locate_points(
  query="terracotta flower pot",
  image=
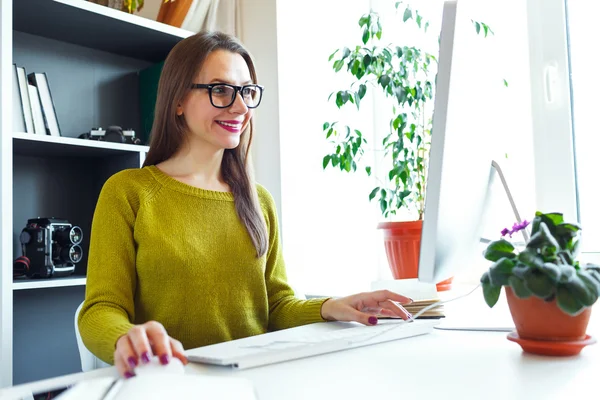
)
(536, 319)
(402, 246)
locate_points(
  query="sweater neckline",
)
(172, 183)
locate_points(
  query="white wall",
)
(259, 35)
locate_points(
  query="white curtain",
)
(214, 15)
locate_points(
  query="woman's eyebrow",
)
(229, 82)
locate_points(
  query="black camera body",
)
(113, 133)
(52, 247)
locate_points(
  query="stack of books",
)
(33, 107)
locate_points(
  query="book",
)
(423, 295)
(24, 99)
(40, 81)
(39, 126)
(18, 118)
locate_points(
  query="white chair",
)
(88, 360)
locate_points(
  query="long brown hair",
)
(169, 130)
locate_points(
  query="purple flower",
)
(515, 228)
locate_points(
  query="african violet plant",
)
(546, 268)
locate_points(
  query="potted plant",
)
(124, 5)
(405, 75)
(549, 293)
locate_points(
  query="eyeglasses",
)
(223, 95)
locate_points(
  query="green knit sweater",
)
(166, 251)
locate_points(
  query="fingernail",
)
(373, 320)
(129, 374)
(164, 359)
(409, 316)
(145, 357)
(132, 362)
(411, 300)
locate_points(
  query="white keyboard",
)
(305, 341)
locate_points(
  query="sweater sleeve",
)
(285, 310)
(108, 308)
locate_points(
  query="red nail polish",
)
(373, 320)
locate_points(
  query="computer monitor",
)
(461, 169)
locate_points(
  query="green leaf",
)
(326, 160)
(518, 286)
(567, 302)
(551, 270)
(539, 284)
(580, 291)
(365, 36)
(325, 125)
(491, 293)
(407, 15)
(368, 170)
(530, 258)
(383, 205)
(363, 20)
(362, 89)
(477, 27)
(329, 132)
(333, 54)
(373, 193)
(590, 281)
(367, 59)
(500, 271)
(384, 80)
(498, 249)
(566, 273)
(505, 82)
(346, 53)
(543, 238)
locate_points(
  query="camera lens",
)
(71, 254)
(66, 236)
(76, 235)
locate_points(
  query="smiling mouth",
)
(236, 126)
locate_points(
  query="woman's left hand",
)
(364, 307)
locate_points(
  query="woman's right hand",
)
(141, 343)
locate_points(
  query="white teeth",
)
(228, 124)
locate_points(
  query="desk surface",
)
(443, 364)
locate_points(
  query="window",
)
(585, 88)
(330, 239)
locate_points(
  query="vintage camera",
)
(52, 247)
(113, 133)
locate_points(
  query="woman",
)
(185, 251)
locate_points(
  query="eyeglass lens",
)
(224, 96)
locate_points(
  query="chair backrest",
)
(88, 360)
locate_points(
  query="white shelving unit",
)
(73, 280)
(91, 55)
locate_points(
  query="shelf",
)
(91, 25)
(29, 144)
(25, 283)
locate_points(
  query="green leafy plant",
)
(132, 5)
(546, 268)
(406, 76)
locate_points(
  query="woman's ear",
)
(179, 110)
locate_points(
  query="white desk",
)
(441, 365)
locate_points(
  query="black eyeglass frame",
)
(236, 90)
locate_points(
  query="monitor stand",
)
(467, 312)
